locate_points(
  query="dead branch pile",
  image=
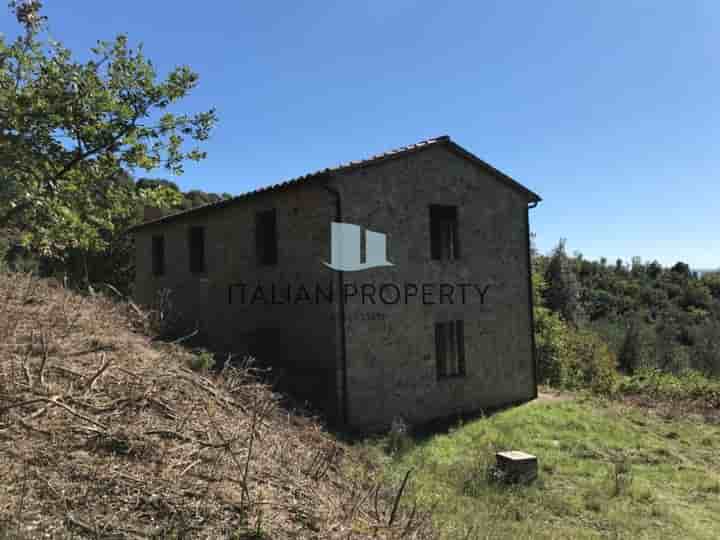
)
(105, 435)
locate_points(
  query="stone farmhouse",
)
(395, 286)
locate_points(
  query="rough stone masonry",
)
(445, 329)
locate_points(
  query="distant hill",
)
(191, 199)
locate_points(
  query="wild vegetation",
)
(71, 134)
(637, 328)
(608, 469)
(105, 432)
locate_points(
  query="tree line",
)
(634, 315)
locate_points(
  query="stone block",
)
(516, 466)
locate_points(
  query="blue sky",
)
(609, 110)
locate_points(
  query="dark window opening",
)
(444, 244)
(266, 237)
(196, 239)
(158, 255)
(450, 349)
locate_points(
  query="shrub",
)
(572, 358)
(630, 357)
(562, 293)
(601, 304)
(399, 440)
(696, 295)
(590, 363)
(653, 297)
(712, 282)
(550, 345)
(706, 357)
(688, 385)
(202, 361)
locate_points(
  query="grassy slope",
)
(674, 465)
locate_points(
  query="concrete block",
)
(517, 466)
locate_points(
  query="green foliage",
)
(551, 335)
(654, 269)
(399, 439)
(71, 129)
(569, 357)
(707, 349)
(13, 257)
(661, 385)
(630, 357)
(196, 198)
(202, 361)
(681, 269)
(183, 201)
(712, 282)
(696, 295)
(589, 363)
(601, 304)
(622, 476)
(154, 183)
(605, 470)
(562, 293)
(648, 315)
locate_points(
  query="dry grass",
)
(105, 435)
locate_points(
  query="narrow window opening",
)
(444, 244)
(196, 239)
(266, 237)
(450, 349)
(158, 255)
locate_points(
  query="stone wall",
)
(390, 347)
(298, 339)
(391, 356)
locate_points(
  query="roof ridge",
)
(349, 165)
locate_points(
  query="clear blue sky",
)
(609, 110)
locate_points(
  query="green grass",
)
(687, 386)
(606, 470)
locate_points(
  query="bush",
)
(712, 282)
(590, 364)
(688, 385)
(399, 439)
(572, 358)
(696, 295)
(202, 361)
(630, 357)
(550, 344)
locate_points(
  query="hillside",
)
(607, 470)
(107, 434)
(650, 316)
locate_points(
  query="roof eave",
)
(508, 180)
(369, 162)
